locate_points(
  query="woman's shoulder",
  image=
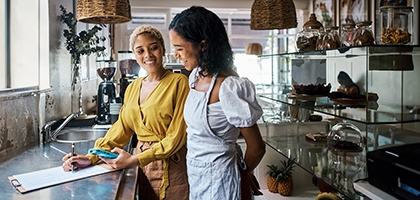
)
(136, 82)
(177, 77)
(236, 86)
(238, 96)
(175, 80)
(232, 81)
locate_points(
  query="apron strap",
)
(213, 81)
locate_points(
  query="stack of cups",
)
(114, 111)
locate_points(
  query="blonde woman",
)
(153, 110)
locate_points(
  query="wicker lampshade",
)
(273, 14)
(103, 11)
(254, 49)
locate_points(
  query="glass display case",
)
(385, 109)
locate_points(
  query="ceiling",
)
(213, 4)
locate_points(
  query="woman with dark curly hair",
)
(219, 107)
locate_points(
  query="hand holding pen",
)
(73, 161)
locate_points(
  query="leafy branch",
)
(86, 42)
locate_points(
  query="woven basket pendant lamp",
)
(103, 11)
(273, 14)
(254, 49)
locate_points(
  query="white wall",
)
(2, 44)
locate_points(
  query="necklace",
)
(160, 78)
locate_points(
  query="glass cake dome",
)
(347, 145)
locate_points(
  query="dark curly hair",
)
(196, 24)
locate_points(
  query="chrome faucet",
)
(47, 136)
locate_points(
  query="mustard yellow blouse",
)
(159, 118)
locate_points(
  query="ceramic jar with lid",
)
(331, 39)
(363, 35)
(307, 38)
(347, 35)
(397, 25)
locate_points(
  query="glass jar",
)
(397, 25)
(127, 63)
(347, 35)
(347, 145)
(331, 39)
(319, 44)
(307, 38)
(363, 35)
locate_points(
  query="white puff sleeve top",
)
(238, 101)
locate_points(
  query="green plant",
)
(285, 170)
(284, 178)
(86, 42)
(271, 179)
(273, 170)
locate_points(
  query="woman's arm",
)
(255, 146)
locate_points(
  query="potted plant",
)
(284, 178)
(272, 173)
(86, 42)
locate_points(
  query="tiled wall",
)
(18, 124)
(22, 115)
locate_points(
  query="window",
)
(261, 72)
(23, 44)
(156, 20)
(3, 47)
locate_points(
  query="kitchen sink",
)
(76, 135)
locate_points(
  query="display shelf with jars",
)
(384, 111)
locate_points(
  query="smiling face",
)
(185, 51)
(149, 52)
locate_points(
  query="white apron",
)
(212, 158)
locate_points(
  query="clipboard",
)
(31, 181)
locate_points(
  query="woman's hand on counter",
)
(79, 161)
(123, 161)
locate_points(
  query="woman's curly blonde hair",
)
(146, 29)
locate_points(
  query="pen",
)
(73, 153)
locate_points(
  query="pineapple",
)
(271, 179)
(284, 178)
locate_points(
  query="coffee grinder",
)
(106, 91)
(129, 69)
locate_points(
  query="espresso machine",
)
(129, 69)
(106, 90)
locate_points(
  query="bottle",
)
(347, 35)
(307, 38)
(397, 25)
(364, 35)
(331, 40)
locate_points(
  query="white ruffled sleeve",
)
(239, 101)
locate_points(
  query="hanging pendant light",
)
(103, 11)
(273, 14)
(254, 49)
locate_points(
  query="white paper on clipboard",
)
(53, 176)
